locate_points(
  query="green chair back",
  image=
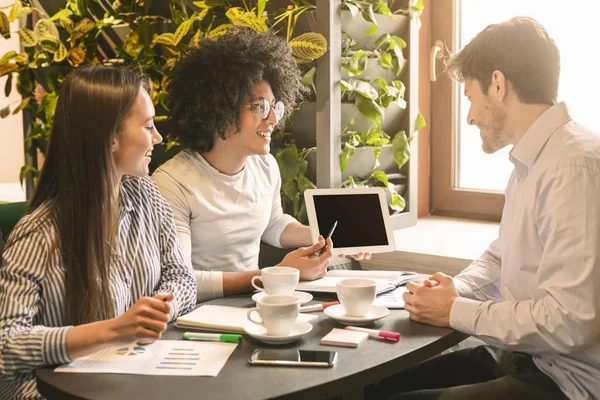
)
(10, 214)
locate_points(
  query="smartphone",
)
(293, 357)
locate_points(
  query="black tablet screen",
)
(359, 219)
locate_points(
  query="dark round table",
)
(355, 368)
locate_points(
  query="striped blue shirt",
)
(147, 259)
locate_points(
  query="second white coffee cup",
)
(356, 296)
(277, 313)
(277, 280)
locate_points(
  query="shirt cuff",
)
(210, 285)
(463, 314)
(54, 346)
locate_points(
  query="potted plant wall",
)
(376, 130)
(92, 31)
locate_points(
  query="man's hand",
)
(303, 259)
(430, 301)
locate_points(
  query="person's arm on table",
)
(565, 318)
(25, 347)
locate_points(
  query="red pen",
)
(318, 307)
(393, 336)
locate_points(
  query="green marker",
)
(213, 337)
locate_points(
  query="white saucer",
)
(337, 312)
(260, 332)
(303, 296)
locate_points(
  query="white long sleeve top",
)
(221, 219)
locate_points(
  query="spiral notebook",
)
(218, 318)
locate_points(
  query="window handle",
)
(436, 53)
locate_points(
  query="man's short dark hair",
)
(522, 50)
(208, 87)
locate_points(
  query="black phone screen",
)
(295, 356)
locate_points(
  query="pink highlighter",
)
(392, 336)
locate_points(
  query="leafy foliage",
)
(79, 32)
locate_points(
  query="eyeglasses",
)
(263, 109)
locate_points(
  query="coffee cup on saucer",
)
(276, 313)
(356, 296)
(277, 280)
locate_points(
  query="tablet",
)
(362, 215)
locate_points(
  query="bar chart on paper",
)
(165, 357)
(180, 359)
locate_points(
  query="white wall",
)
(11, 128)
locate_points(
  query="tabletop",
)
(372, 361)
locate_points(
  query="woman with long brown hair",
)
(95, 262)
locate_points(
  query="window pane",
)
(565, 22)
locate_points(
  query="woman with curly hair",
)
(226, 98)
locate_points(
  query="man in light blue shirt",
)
(534, 295)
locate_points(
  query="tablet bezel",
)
(314, 226)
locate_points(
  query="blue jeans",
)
(479, 373)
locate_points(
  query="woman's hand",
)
(144, 322)
(310, 267)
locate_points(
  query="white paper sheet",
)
(165, 357)
(391, 299)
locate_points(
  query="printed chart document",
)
(164, 357)
(385, 280)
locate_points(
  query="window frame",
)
(446, 197)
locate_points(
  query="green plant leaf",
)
(45, 27)
(308, 46)
(49, 43)
(65, 13)
(22, 105)
(196, 38)
(260, 7)
(28, 37)
(17, 11)
(380, 175)
(8, 85)
(397, 202)
(4, 25)
(346, 86)
(369, 16)
(356, 64)
(67, 24)
(382, 8)
(287, 159)
(309, 79)
(26, 170)
(385, 60)
(354, 10)
(400, 149)
(182, 30)
(369, 108)
(419, 122)
(61, 52)
(346, 153)
(165, 38)
(84, 26)
(238, 17)
(363, 88)
(14, 11)
(8, 56)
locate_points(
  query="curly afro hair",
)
(208, 87)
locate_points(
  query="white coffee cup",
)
(278, 313)
(277, 280)
(356, 296)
